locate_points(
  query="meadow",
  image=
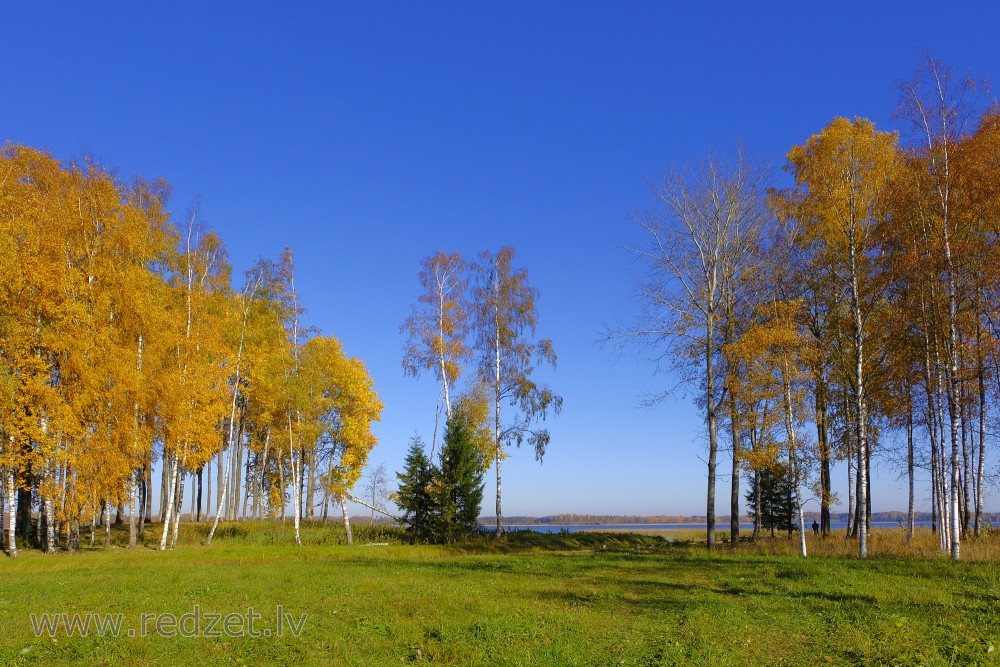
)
(581, 599)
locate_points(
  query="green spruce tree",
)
(776, 506)
(458, 489)
(414, 495)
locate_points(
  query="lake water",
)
(719, 527)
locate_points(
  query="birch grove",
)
(886, 251)
(122, 345)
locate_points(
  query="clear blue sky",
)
(367, 135)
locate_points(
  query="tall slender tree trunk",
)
(133, 523)
(296, 489)
(24, 515)
(823, 444)
(934, 492)
(148, 489)
(208, 486)
(238, 508)
(981, 464)
(302, 482)
(860, 411)
(909, 465)
(180, 503)
(223, 486)
(963, 411)
(326, 487)
(757, 506)
(170, 464)
(40, 521)
(281, 482)
(11, 488)
(442, 367)
(496, 414)
(73, 536)
(164, 487)
(347, 519)
(249, 479)
(932, 421)
(311, 484)
(851, 503)
(793, 462)
(218, 477)
(201, 474)
(3, 514)
(952, 375)
(107, 523)
(712, 423)
(50, 521)
(734, 495)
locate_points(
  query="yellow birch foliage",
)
(341, 408)
(772, 352)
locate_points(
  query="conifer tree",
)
(413, 496)
(458, 490)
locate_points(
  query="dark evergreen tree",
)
(458, 489)
(777, 507)
(414, 495)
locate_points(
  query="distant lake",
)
(719, 527)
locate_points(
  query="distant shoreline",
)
(607, 520)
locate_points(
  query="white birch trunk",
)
(180, 503)
(496, 407)
(944, 487)
(224, 484)
(347, 519)
(981, 464)
(107, 522)
(850, 491)
(295, 483)
(442, 348)
(50, 525)
(12, 517)
(941, 171)
(134, 483)
(909, 467)
(793, 467)
(134, 487)
(861, 415)
(170, 461)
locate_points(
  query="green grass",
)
(581, 599)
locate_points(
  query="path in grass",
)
(587, 606)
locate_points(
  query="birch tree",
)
(696, 253)
(940, 107)
(841, 175)
(504, 321)
(438, 326)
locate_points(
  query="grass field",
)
(581, 599)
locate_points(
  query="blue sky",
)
(368, 135)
